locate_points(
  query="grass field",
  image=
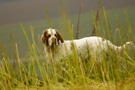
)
(116, 74)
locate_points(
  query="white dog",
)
(56, 48)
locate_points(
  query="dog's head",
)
(51, 37)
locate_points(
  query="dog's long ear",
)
(43, 37)
(59, 37)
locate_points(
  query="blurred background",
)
(15, 11)
(32, 13)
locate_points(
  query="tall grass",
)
(116, 71)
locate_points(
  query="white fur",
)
(95, 45)
(52, 32)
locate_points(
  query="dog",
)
(57, 48)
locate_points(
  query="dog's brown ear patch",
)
(59, 37)
(44, 38)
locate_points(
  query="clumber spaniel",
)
(56, 48)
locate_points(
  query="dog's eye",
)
(56, 35)
(49, 36)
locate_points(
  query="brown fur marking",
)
(45, 37)
(59, 37)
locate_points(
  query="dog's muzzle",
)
(53, 41)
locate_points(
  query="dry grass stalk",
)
(94, 33)
(77, 33)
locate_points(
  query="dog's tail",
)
(127, 45)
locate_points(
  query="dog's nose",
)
(53, 40)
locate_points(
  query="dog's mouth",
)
(53, 42)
